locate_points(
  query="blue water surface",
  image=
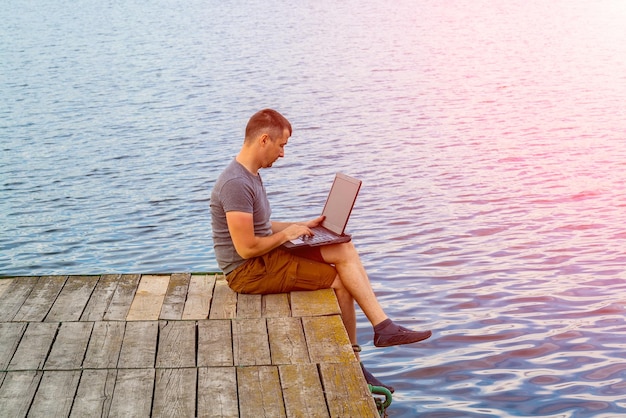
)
(489, 136)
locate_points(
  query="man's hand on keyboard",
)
(295, 231)
(315, 222)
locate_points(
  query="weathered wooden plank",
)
(105, 344)
(215, 347)
(175, 393)
(14, 296)
(158, 358)
(249, 306)
(327, 340)
(17, 392)
(4, 285)
(250, 342)
(69, 346)
(177, 344)
(259, 392)
(276, 305)
(132, 396)
(217, 392)
(55, 395)
(314, 303)
(94, 393)
(34, 346)
(199, 296)
(122, 298)
(139, 345)
(175, 296)
(10, 335)
(346, 392)
(71, 302)
(287, 342)
(224, 304)
(40, 299)
(101, 297)
(149, 298)
(302, 391)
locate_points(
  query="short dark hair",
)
(267, 121)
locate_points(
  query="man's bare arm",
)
(248, 245)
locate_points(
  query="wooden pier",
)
(173, 345)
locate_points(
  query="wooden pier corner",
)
(173, 345)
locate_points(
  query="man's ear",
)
(264, 139)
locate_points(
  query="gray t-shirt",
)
(236, 189)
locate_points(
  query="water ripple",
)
(488, 135)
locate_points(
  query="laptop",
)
(337, 211)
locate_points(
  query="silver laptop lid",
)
(340, 202)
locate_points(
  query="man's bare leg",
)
(348, 315)
(346, 304)
(355, 281)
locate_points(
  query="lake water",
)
(489, 135)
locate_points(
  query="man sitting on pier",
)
(248, 244)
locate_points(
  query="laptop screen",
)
(340, 202)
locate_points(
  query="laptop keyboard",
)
(321, 235)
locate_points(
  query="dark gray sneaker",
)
(400, 336)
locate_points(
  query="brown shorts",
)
(282, 271)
